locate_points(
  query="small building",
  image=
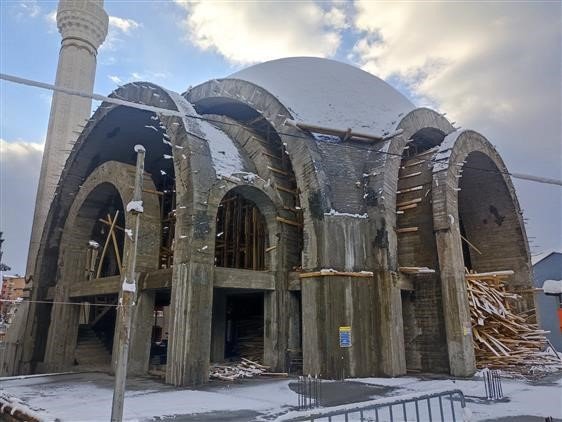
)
(549, 267)
(298, 210)
(13, 287)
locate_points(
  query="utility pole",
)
(128, 294)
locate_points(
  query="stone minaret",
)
(83, 26)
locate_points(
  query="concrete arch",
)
(212, 97)
(472, 153)
(110, 178)
(458, 148)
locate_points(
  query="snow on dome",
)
(329, 93)
(224, 151)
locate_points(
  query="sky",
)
(495, 67)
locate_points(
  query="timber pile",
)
(250, 338)
(502, 338)
(243, 369)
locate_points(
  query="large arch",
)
(470, 181)
(250, 104)
(110, 184)
(110, 134)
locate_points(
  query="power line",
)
(174, 113)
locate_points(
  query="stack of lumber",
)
(250, 338)
(244, 369)
(502, 338)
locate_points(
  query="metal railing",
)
(309, 390)
(492, 384)
(423, 408)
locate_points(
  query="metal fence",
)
(309, 390)
(445, 406)
(493, 384)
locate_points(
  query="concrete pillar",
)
(294, 310)
(63, 331)
(455, 303)
(391, 358)
(275, 328)
(218, 326)
(141, 333)
(190, 337)
(329, 303)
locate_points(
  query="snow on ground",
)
(87, 397)
(523, 398)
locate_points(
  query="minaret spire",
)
(83, 26)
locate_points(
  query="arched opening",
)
(241, 234)
(423, 140)
(101, 221)
(422, 300)
(490, 225)
(242, 239)
(103, 212)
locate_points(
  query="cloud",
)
(115, 79)
(471, 59)
(28, 8)
(249, 32)
(124, 25)
(118, 27)
(493, 67)
(20, 163)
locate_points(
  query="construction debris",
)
(502, 338)
(244, 369)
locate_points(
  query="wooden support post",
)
(104, 250)
(115, 244)
(128, 295)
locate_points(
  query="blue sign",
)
(345, 336)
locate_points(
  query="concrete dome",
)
(330, 93)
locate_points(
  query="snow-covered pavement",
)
(87, 397)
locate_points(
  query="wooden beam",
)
(281, 188)
(407, 230)
(106, 244)
(413, 189)
(407, 207)
(289, 222)
(115, 246)
(416, 270)
(278, 171)
(492, 274)
(411, 201)
(470, 244)
(362, 274)
(406, 176)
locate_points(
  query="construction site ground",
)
(87, 397)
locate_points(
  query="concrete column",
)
(275, 328)
(190, 337)
(329, 303)
(218, 326)
(391, 358)
(63, 331)
(294, 310)
(141, 333)
(455, 303)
